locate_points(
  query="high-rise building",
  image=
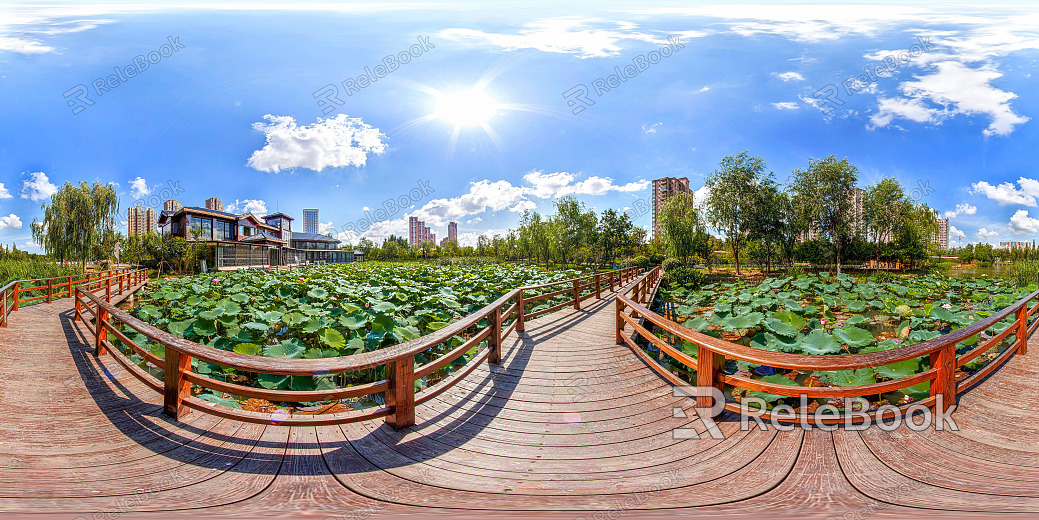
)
(214, 204)
(310, 221)
(1015, 245)
(419, 232)
(664, 189)
(452, 230)
(942, 236)
(172, 205)
(141, 220)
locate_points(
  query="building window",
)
(222, 230)
(245, 231)
(203, 224)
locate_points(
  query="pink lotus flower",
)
(216, 280)
(333, 298)
(165, 279)
(252, 298)
(366, 304)
(823, 321)
(946, 306)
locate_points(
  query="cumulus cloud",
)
(38, 187)
(325, 227)
(328, 143)
(954, 232)
(953, 89)
(984, 234)
(23, 32)
(576, 35)
(561, 184)
(789, 76)
(139, 188)
(1022, 224)
(10, 222)
(255, 206)
(961, 209)
(786, 105)
(4, 194)
(1005, 193)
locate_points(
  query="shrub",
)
(656, 259)
(984, 264)
(939, 268)
(1021, 274)
(795, 271)
(638, 261)
(671, 263)
(686, 277)
(883, 277)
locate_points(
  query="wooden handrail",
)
(12, 295)
(398, 360)
(712, 352)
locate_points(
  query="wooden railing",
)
(20, 293)
(634, 320)
(485, 329)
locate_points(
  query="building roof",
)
(278, 214)
(262, 236)
(313, 237)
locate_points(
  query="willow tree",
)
(78, 223)
(823, 199)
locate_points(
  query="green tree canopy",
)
(79, 223)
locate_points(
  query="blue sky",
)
(479, 115)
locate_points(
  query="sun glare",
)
(465, 108)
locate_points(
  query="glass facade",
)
(223, 230)
(203, 224)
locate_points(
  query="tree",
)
(78, 223)
(823, 199)
(682, 229)
(881, 209)
(614, 233)
(770, 222)
(732, 194)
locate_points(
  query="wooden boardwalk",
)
(569, 425)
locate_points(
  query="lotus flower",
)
(333, 298)
(946, 306)
(216, 280)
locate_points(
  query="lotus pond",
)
(826, 314)
(324, 311)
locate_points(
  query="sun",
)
(465, 108)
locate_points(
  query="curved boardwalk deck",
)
(568, 425)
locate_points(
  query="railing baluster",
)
(100, 332)
(944, 384)
(175, 387)
(708, 364)
(1022, 329)
(494, 339)
(108, 289)
(3, 309)
(15, 297)
(620, 321)
(598, 288)
(50, 289)
(577, 294)
(520, 327)
(401, 394)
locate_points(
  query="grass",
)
(11, 270)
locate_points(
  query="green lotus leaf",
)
(780, 328)
(354, 321)
(774, 379)
(318, 293)
(333, 338)
(899, 370)
(819, 342)
(698, 324)
(215, 399)
(854, 336)
(250, 349)
(290, 348)
(857, 377)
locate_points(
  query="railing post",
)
(50, 289)
(598, 288)
(944, 384)
(400, 397)
(494, 340)
(620, 321)
(75, 307)
(108, 290)
(3, 309)
(1022, 329)
(175, 387)
(121, 277)
(14, 296)
(100, 332)
(577, 294)
(708, 364)
(70, 291)
(520, 327)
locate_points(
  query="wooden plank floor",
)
(568, 426)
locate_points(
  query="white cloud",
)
(523, 205)
(4, 194)
(580, 36)
(561, 184)
(139, 188)
(789, 76)
(38, 187)
(961, 209)
(325, 227)
(786, 105)
(255, 206)
(651, 129)
(703, 89)
(328, 143)
(956, 233)
(10, 222)
(1006, 193)
(953, 89)
(21, 31)
(985, 234)
(475, 220)
(1022, 224)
